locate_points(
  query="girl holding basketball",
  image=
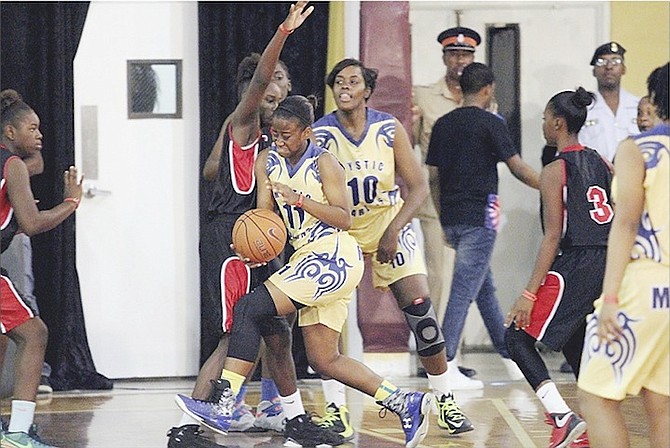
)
(568, 273)
(307, 184)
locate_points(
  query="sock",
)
(187, 420)
(334, 392)
(240, 395)
(22, 416)
(439, 384)
(385, 390)
(236, 380)
(292, 405)
(551, 399)
(269, 390)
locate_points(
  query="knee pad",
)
(422, 320)
(249, 314)
(274, 326)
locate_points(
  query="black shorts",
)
(566, 296)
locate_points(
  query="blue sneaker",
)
(413, 409)
(216, 416)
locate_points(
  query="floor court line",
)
(513, 423)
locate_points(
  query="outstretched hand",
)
(297, 15)
(72, 183)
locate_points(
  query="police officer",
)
(430, 103)
(614, 115)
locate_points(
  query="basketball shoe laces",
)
(222, 399)
(395, 403)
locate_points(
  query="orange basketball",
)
(259, 235)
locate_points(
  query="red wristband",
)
(300, 201)
(75, 201)
(529, 295)
(612, 300)
(284, 30)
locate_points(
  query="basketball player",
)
(307, 183)
(627, 348)
(373, 146)
(21, 139)
(225, 276)
(568, 272)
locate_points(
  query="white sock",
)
(551, 399)
(187, 420)
(439, 383)
(334, 392)
(292, 405)
(23, 413)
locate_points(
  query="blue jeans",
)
(472, 280)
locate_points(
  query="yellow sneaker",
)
(450, 416)
(337, 420)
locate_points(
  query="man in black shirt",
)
(465, 148)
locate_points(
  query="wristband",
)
(529, 295)
(612, 300)
(75, 201)
(300, 201)
(284, 30)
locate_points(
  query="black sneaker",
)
(303, 431)
(189, 436)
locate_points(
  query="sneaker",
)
(302, 431)
(581, 441)
(270, 416)
(565, 428)
(216, 415)
(412, 408)
(188, 436)
(45, 386)
(450, 416)
(565, 367)
(337, 420)
(21, 440)
(458, 381)
(513, 370)
(243, 418)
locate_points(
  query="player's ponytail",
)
(571, 105)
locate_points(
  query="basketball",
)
(259, 235)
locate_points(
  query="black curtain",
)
(227, 33)
(37, 47)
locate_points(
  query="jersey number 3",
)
(602, 212)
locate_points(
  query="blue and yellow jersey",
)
(369, 163)
(652, 241)
(304, 178)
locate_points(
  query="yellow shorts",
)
(641, 357)
(408, 259)
(322, 275)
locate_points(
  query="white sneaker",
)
(514, 372)
(458, 381)
(270, 416)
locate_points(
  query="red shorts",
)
(235, 282)
(13, 310)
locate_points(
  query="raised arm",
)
(31, 220)
(244, 119)
(408, 168)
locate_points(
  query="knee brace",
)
(248, 315)
(422, 321)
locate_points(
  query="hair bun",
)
(582, 97)
(9, 97)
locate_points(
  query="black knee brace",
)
(249, 315)
(422, 321)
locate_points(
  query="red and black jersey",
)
(234, 191)
(587, 207)
(8, 223)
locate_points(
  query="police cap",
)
(459, 38)
(608, 48)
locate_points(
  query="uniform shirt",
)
(235, 188)
(8, 223)
(603, 131)
(304, 178)
(652, 240)
(369, 163)
(587, 204)
(466, 146)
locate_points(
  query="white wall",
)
(137, 248)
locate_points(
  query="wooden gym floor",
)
(138, 413)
